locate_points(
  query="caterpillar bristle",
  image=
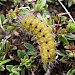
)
(43, 32)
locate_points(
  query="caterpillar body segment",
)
(35, 22)
(48, 38)
(26, 22)
(39, 28)
(43, 32)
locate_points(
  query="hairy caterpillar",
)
(43, 32)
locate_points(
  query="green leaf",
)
(2, 18)
(4, 46)
(15, 70)
(71, 71)
(7, 45)
(70, 53)
(11, 74)
(69, 3)
(40, 5)
(2, 68)
(1, 57)
(1, 46)
(51, 1)
(30, 53)
(8, 27)
(12, 15)
(1, 36)
(5, 21)
(9, 67)
(63, 39)
(33, 38)
(14, 48)
(61, 53)
(23, 11)
(70, 27)
(3, 0)
(23, 71)
(64, 58)
(29, 46)
(70, 36)
(45, 66)
(5, 61)
(20, 68)
(43, 2)
(21, 53)
(63, 19)
(74, 1)
(16, 2)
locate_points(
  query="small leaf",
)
(71, 71)
(63, 39)
(69, 3)
(70, 27)
(43, 2)
(64, 58)
(69, 53)
(5, 61)
(1, 46)
(63, 19)
(30, 53)
(10, 28)
(16, 2)
(5, 21)
(45, 66)
(29, 46)
(14, 68)
(40, 5)
(9, 67)
(7, 45)
(2, 18)
(51, 1)
(21, 53)
(33, 38)
(14, 48)
(20, 68)
(12, 15)
(11, 74)
(70, 36)
(61, 53)
(23, 11)
(2, 68)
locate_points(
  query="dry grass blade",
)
(66, 11)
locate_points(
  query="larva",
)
(43, 32)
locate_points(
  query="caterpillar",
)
(43, 32)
